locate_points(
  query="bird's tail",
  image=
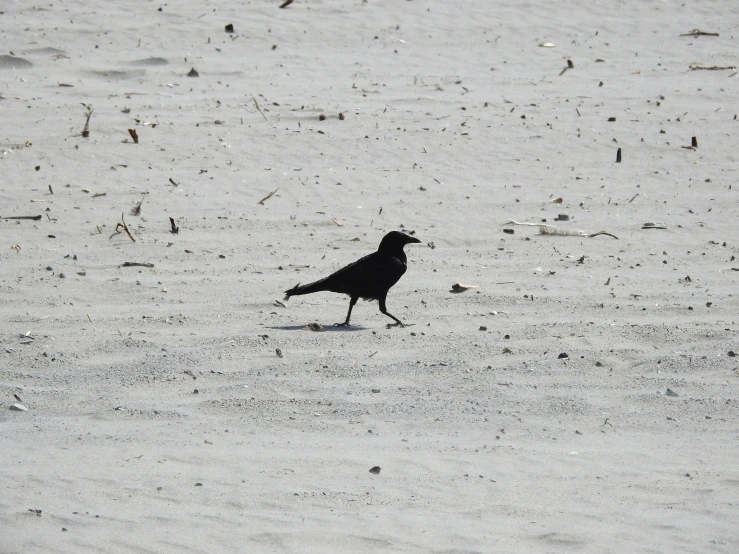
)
(297, 290)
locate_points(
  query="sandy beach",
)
(158, 395)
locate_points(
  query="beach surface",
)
(158, 395)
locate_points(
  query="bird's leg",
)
(383, 309)
(349, 314)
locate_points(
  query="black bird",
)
(369, 278)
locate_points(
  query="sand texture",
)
(581, 396)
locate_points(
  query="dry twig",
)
(31, 217)
(712, 67)
(257, 106)
(557, 231)
(546, 229)
(122, 225)
(263, 200)
(698, 33)
(86, 129)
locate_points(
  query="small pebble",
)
(375, 470)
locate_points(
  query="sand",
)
(583, 398)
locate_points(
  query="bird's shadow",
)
(328, 328)
(332, 328)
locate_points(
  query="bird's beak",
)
(412, 240)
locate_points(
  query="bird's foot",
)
(391, 325)
(345, 324)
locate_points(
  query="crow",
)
(369, 278)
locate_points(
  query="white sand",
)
(456, 120)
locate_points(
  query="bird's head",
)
(395, 240)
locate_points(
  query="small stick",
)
(134, 135)
(591, 235)
(712, 67)
(512, 222)
(546, 229)
(257, 105)
(136, 264)
(698, 33)
(172, 181)
(123, 226)
(550, 230)
(51, 190)
(174, 230)
(268, 196)
(618, 156)
(86, 129)
(286, 3)
(31, 217)
(694, 142)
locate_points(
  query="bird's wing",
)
(369, 277)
